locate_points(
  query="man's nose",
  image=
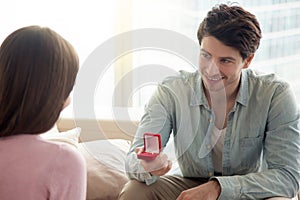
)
(212, 68)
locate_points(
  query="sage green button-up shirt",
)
(261, 154)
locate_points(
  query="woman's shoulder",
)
(62, 151)
(39, 148)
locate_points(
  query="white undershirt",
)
(217, 153)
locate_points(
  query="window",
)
(279, 51)
(92, 23)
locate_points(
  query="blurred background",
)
(89, 23)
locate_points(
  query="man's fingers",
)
(139, 150)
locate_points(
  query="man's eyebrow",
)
(205, 51)
(229, 58)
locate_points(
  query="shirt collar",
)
(198, 97)
(243, 95)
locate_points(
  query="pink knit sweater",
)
(34, 169)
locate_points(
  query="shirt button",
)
(211, 120)
(208, 146)
(210, 174)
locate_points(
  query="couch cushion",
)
(105, 167)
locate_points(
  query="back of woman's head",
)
(38, 69)
(233, 26)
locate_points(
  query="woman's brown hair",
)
(38, 69)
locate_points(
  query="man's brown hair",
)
(233, 26)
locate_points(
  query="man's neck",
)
(221, 103)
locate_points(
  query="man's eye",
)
(225, 60)
(204, 55)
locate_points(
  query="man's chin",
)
(213, 89)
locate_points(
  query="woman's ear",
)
(67, 102)
(248, 60)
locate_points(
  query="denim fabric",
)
(261, 154)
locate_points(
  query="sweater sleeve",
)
(68, 175)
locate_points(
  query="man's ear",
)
(248, 60)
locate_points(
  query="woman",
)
(38, 69)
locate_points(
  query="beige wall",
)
(100, 129)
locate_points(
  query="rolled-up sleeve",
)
(155, 120)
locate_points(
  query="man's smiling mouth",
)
(215, 78)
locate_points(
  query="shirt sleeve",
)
(68, 175)
(281, 152)
(156, 119)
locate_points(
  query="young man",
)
(236, 130)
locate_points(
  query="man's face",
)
(220, 65)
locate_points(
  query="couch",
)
(104, 153)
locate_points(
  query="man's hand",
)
(208, 191)
(158, 167)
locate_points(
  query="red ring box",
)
(152, 146)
